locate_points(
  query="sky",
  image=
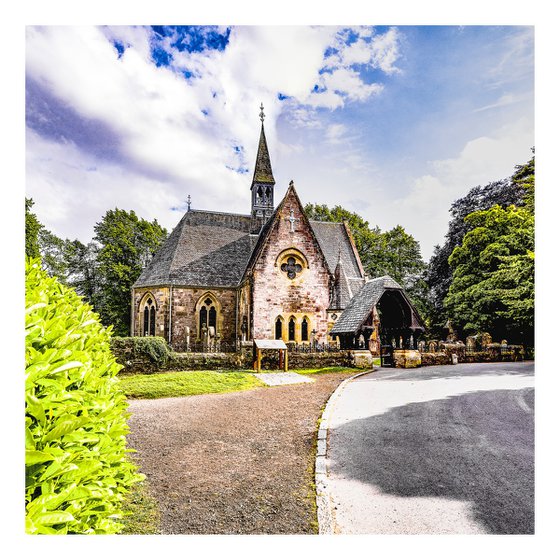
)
(391, 122)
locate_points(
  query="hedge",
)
(77, 474)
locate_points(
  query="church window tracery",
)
(291, 267)
(208, 313)
(148, 307)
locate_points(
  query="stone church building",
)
(222, 279)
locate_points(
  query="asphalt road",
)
(433, 451)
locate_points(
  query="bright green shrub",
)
(77, 473)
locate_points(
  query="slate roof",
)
(263, 168)
(337, 246)
(357, 311)
(335, 242)
(205, 249)
(215, 249)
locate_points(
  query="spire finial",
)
(261, 114)
(189, 203)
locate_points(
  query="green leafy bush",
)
(77, 473)
(130, 347)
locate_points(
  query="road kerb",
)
(325, 513)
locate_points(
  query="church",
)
(222, 279)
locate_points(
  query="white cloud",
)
(482, 160)
(335, 133)
(367, 48)
(348, 83)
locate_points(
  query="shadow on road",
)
(477, 447)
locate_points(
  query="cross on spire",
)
(189, 203)
(261, 114)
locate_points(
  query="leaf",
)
(36, 457)
(34, 307)
(65, 425)
(54, 518)
(69, 365)
(35, 408)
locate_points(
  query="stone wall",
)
(298, 360)
(136, 362)
(160, 296)
(407, 358)
(275, 294)
(184, 313)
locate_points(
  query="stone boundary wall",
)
(134, 361)
(138, 363)
(488, 355)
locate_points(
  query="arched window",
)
(149, 318)
(292, 329)
(305, 330)
(208, 314)
(278, 328)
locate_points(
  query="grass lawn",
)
(142, 516)
(184, 383)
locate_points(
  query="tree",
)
(492, 286)
(83, 270)
(126, 244)
(511, 191)
(32, 230)
(53, 254)
(401, 253)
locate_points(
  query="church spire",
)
(262, 187)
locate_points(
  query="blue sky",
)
(392, 122)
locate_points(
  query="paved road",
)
(436, 450)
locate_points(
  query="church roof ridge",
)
(220, 213)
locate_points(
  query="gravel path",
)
(235, 463)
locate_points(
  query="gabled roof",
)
(361, 305)
(268, 227)
(335, 242)
(215, 249)
(205, 249)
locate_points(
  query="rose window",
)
(291, 267)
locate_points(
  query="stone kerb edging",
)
(324, 511)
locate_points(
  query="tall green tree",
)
(53, 255)
(492, 286)
(126, 244)
(32, 229)
(438, 276)
(83, 270)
